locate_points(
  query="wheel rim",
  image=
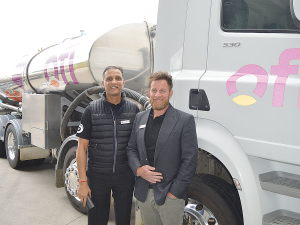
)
(196, 213)
(72, 179)
(11, 146)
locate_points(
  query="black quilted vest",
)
(110, 136)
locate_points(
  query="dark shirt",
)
(115, 108)
(85, 127)
(151, 134)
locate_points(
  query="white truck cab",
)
(235, 65)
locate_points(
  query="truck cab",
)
(235, 69)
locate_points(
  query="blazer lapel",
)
(167, 126)
(141, 133)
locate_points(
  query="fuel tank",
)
(78, 63)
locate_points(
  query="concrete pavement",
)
(28, 196)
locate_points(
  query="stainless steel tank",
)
(78, 63)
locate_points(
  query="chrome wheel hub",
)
(72, 178)
(195, 213)
(11, 146)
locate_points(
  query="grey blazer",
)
(175, 155)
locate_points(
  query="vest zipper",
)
(116, 146)
(115, 138)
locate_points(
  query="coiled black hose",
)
(143, 100)
(86, 101)
(81, 97)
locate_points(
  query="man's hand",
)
(83, 191)
(170, 195)
(147, 172)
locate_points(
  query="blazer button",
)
(146, 159)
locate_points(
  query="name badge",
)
(142, 126)
(125, 121)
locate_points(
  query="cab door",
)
(252, 78)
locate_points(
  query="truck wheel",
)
(212, 199)
(2, 149)
(71, 179)
(11, 146)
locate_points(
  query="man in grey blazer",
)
(162, 153)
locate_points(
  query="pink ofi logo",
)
(68, 53)
(282, 70)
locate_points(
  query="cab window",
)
(257, 16)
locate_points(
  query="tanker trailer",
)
(44, 97)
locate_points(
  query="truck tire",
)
(212, 198)
(70, 180)
(2, 150)
(11, 146)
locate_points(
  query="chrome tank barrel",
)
(78, 63)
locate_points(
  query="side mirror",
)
(295, 11)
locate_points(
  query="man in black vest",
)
(104, 132)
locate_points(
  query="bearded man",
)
(162, 153)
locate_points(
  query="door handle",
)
(198, 100)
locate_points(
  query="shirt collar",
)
(158, 117)
(123, 97)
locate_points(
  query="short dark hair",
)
(161, 75)
(112, 67)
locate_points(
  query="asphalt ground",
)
(28, 196)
